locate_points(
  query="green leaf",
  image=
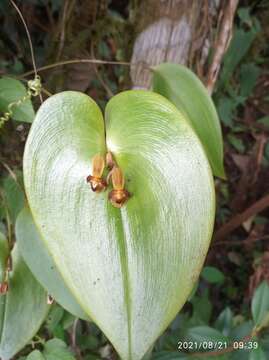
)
(239, 46)
(236, 142)
(169, 355)
(13, 195)
(92, 357)
(260, 304)
(242, 330)
(257, 354)
(205, 333)
(130, 269)
(67, 320)
(184, 89)
(244, 15)
(224, 321)
(13, 90)
(264, 120)
(24, 308)
(57, 349)
(54, 349)
(249, 74)
(87, 342)
(212, 275)
(54, 317)
(35, 355)
(202, 309)
(226, 108)
(42, 264)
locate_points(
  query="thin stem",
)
(76, 61)
(29, 40)
(28, 35)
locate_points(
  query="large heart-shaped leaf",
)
(42, 265)
(181, 86)
(22, 309)
(131, 269)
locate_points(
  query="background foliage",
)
(232, 297)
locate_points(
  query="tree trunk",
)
(178, 31)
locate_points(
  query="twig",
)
(101, 80)
(236, 221)
(240, 242)
(222, 43)
(261, 140)
(73, 339)
(62, 31)
(77, 61)
(29, 41)
(46, 92)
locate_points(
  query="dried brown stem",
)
(221, 43)
(62, 31)
(240, 242)
(101, 80)
(74, 339)
(236, 221)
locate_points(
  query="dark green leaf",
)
(257, 354)
(202, 310)
(42, 264)
(260, 304)
(236, 142)
(212, 275)
(205, 333)
(92, 357)
(67, 320)
(87, 342)
(169, 355)
(13, 195)
(240, 44)
(264, 120)
(57, 349)
(226, 107)
(35, 355)
(24, 307)
(224, 322)
(55, 315)
(244, 15)
(249, 74)
(12, 90)
(242, 330)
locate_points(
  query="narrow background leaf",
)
(42, 265)
(184, 89)
(260, 303)
(212, 275)
(25, 308)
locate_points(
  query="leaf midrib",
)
(121, 237)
